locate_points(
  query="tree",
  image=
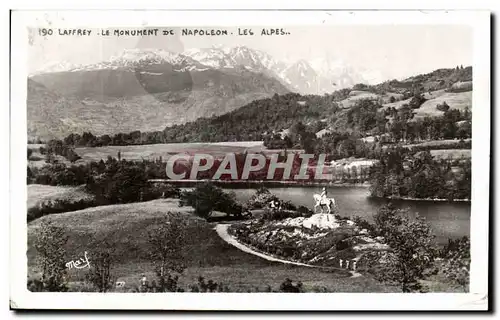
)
(456, 266)
(120, 183)
(100, 275)
(49, 245)
(49, 157)
(166, 241)
(412, 247)
(443, 107)
(417, 101)
(207, 198)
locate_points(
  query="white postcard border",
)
(476, 300)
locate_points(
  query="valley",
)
(102, 134)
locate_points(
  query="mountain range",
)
(148, 89)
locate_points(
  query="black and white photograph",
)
(192, 155)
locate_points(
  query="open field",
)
(154, 151)
(356, 95)
(451, 154)
(38, 193)
(434, 143)
(397, 104)
(458, 100)
(35, 146)
(126, 228)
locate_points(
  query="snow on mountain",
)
(231, 57)
(134, 58)
(212, 57)
(57, 66)
(302, 77)
(317, 76)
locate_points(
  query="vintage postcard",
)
(210, 160)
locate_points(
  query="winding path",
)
(222, 232)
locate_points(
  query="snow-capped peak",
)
(133, 58)
(57, 66)
(141, 55)
(314, 76)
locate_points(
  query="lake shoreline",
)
(258, 183)
(422, 199)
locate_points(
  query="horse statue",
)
(275, 205)
(329, 203)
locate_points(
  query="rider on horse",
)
(324, 195)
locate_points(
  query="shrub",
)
(157, 191)
(58, 206)
(363, 224)
(443, 107)
(207, 198)
(416, 101)
(283, 214)
(261, 199)
(288, 286)
(205, 286)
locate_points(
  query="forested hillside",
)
(342, 124)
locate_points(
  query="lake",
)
(448, 220)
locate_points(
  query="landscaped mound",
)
(320, 240)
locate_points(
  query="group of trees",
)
(366, 118)
(207, 198)
(401, 173)
(412, 247)
(59, 147)
(413, 253)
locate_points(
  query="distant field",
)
(434, 94)
(436, 143)
(356, 95)
(35, 146)
(397, 104)
(456, 100)
(38, 193)
(153, 151)
(459, 100)
(125, 227)
(451, 154)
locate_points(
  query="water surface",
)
(448, 220)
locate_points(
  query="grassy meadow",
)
(454, 154)
(456, 100)
(154, 151)
(436, 143)
(39, 193)
(125, 227)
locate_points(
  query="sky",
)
(396, 51)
